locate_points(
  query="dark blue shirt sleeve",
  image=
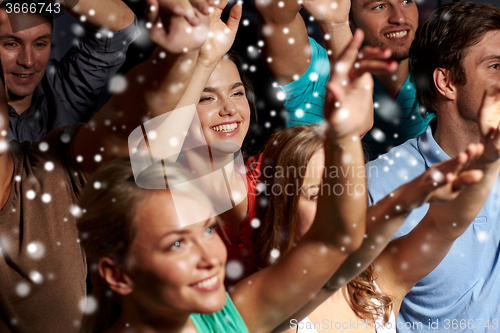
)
(83, 74)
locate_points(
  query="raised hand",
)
(221, 35)
(348, 99)
(489, 123)
(444, 181)
(186, 8)
(173, 32)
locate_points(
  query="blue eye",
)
(175, 245)
(212, 228)
(378, 7)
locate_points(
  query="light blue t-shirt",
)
(394, 122)
(464, 289)
(227, 320)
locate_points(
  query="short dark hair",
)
(441, 41)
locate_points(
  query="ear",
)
(115, 276)
(443, 84)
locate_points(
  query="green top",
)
(227, 320)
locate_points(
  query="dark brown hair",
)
(442, 40)
(291, 149)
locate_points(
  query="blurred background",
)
(67, 31)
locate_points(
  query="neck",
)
(140, 320)
(394, 81)
(233, 182)
(21, 104)
(453, 133)
(6, 174)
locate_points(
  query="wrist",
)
(207, 64)
(331, 25)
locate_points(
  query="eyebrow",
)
(215, 89)
(369, 2)
(185, 231)
(7, 36)
(493, 57)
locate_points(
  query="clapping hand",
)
(177, 26)
(221, 35)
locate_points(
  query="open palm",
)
(220, 35)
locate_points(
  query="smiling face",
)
(387, 24)
(176, 269)
(223, 110)
(24, 54)
(481, 64)
(308, 199)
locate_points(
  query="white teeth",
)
(23, 75)
(225, 128)
(400, 34)
(208, 282)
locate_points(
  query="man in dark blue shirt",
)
(46, 94)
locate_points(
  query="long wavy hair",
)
(286, 152)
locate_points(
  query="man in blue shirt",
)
(301, 66)
(44, 94)
(456, 58)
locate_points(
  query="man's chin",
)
(18, 94)
(399, 55)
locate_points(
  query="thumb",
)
(234, 17)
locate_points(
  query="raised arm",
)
(444, 223)
(111, 14)
(333, 20)
(152, 88)
(286, 52)
(268, 297)
(442, 182)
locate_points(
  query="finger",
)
(474, 152)
(182, 8)
(444, 172)
(152, 11)
(201, 5)
(466, 179)
(489, 114)
(374, 52)
(373, 66)
(234, 18)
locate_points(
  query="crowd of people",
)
(377, 208)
